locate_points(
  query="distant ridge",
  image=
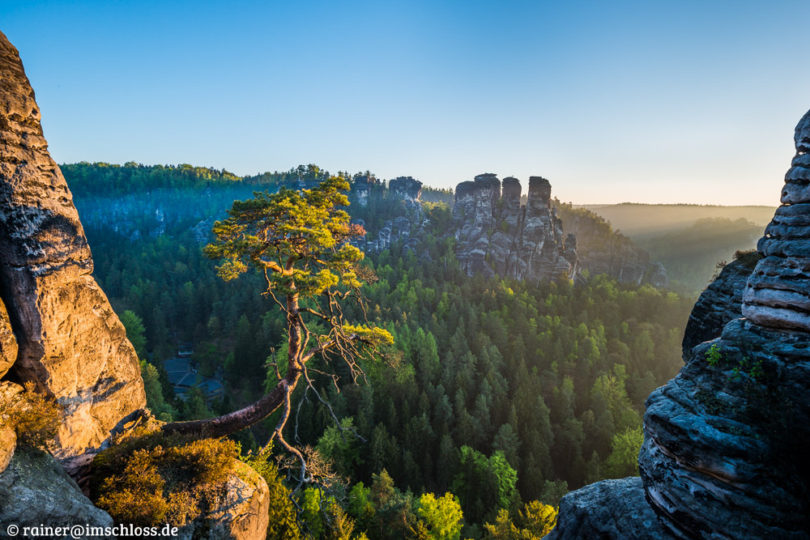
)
(638, 220)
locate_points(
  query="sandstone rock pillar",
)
(71, 343)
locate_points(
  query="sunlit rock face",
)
(496, 236)
(71, 343)
(725, 441)
(8, 437)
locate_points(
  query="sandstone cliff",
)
(497, 236)
(724, 452)
(58, 330)
(71, 344)
(403, 197)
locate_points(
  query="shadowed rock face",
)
(34, 490)
(406, 188)
(496, 236)
(71, 343)
(778, 292)
(8, 343)
(725, 441)
(720, 303)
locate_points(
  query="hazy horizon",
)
(684, 103)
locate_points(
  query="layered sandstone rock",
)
(725, 441)
(71, 343)
(778, 293)
(608, 509)
(497, 236)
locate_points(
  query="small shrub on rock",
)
(33, 416)
(154, 479)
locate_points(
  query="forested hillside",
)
(692, 255)
(499, 392)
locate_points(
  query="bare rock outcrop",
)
(778, 293)
(497, 236)
(71, 343)
(407, 228)
(608, 509)
(35, 491)
(243, 514)
(725, 441)
(406, 188)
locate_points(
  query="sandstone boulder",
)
(8, 443)
(71, 343)
(34, 490)
(608, 509)
(8, 343)
(243, 514)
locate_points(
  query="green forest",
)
(497, 397)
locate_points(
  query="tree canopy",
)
(299, 240)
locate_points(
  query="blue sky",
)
(611, 101)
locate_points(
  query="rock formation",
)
(244, 513)
(405, 191)
(778, 293)
(497, 236)
(361, 187)
(405, 188)
(71, 343)
(724, 452)
(720, 303)
(628, 517)
(35, 491)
